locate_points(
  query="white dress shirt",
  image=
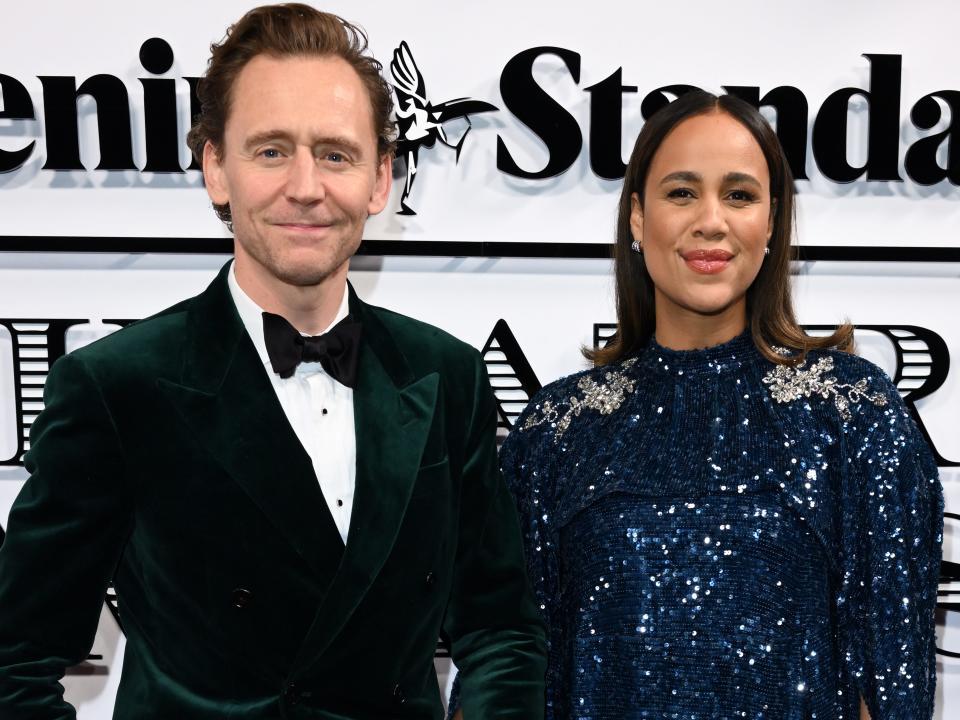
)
(319, 409)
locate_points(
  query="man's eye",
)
(270, 153)
(335, 157)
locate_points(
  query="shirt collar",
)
(251, 314)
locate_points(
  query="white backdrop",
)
(461, 50)
(551, 306)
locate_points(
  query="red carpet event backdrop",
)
(514, 123)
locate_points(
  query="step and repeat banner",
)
(517, 120)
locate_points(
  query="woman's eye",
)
(681, 193)
(742, 196)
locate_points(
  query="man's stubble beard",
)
(304, 277)
(298, 275)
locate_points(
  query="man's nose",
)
(304, 179)
(711, 220)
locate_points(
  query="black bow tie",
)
(337, 350)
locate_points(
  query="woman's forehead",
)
(713, 143)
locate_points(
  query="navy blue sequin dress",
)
(712, 535)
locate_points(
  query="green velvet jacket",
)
(163, 461)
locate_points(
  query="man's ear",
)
(382, 185)
(636, 219)
(213, 175)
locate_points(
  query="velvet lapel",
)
(393, 412)
(225, 397)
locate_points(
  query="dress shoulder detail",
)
(605, 397)
(787, 383)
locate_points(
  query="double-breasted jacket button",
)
(431, 579)
(398, 695)
(292, 693)
(241, 597)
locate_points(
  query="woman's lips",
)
(707, 262)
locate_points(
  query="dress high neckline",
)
(710, 360)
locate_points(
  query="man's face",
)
(299, 167)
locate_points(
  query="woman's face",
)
(705, 222)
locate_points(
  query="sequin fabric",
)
(604, 397)
(788, 383)
(730, 538)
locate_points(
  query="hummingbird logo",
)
(420, 122)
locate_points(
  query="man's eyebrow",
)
(268, 136)
(263, 137)
(339, 141)
(681, 176)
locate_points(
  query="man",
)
(289, 521)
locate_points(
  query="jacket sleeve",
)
(63, 541)
(891, 549)
(496, 636)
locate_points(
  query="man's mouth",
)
(301, 225)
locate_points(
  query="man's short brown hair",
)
(285, 30)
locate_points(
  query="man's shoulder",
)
(420, 341)
(156, 337)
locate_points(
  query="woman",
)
(725, 518)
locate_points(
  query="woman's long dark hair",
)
(769, 305)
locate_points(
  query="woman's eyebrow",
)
(682, 176)
(741, 177)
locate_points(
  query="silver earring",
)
(766, 250)
(636, 247)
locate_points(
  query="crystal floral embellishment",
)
(604, 397)
(789, 383)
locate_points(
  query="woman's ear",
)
(771, 220)
(636, 219)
